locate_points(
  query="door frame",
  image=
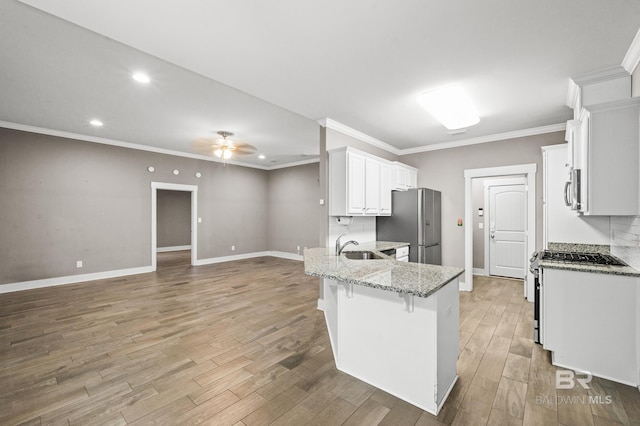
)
(487, 202)
(529, 172)
(193, 189)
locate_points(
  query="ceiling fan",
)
(224, 148)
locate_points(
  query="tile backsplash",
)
(625, 239)
(361, 229)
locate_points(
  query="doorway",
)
(529, 173)
(505, 227)
(193, 189)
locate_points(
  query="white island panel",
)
(400, 343)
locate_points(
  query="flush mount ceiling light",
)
(451, 106)
(96, 123)
(261, 156)
(141, 77)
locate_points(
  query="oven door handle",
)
(567, 202)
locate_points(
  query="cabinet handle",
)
(567, 202)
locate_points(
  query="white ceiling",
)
(267, 71)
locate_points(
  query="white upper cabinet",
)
(360, 184)
(372, 187)
(356, 179)
(406, 177)
(608, 153)
(387, 182)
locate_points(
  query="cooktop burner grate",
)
(590, 258)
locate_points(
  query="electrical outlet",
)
(79, 264)
(233, 248)
(298, 248)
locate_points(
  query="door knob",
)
(493, 235)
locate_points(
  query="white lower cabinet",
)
(402, 254)
(591, 323)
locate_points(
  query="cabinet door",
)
(412, 179)
(581, 149)
(372, 186)
(387, 178)
(401, 178)
(356, 183)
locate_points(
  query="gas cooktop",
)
(578, 257)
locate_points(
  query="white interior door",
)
(507, 230)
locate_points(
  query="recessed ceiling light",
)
(96, 123)
(261, 156)
(451, 106)
(141, 77)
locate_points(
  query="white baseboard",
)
(285, 255)
(173, 248)
(462, 286)
(71, 279)
(243, 256)
(50, 282)
(321, 305)
(478, 271)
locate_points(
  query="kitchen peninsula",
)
(391, 324)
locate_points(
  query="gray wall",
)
(477, 202)
(444, 170)
(293, 208)
(65, 200)
(173, 218)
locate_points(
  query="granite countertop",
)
(586, 267)
(418, 279)
(374, 246)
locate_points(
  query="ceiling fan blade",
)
(244, 149)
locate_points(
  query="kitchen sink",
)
(361, 255)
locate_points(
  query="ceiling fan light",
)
(451, 106)
(218, 152)
(226, 154)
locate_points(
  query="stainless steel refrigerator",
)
(416, 219)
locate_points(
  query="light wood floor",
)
(242, 343)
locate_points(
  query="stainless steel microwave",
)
(572, 190)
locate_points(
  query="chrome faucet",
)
(339, 247)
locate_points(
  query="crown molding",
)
(140, 147)
(490, 138)
(632, 58)
(572, 94)
(339, 127)
(332, 124)
(593, 77)
(294, 164)
(328, 123)
(598, 76)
